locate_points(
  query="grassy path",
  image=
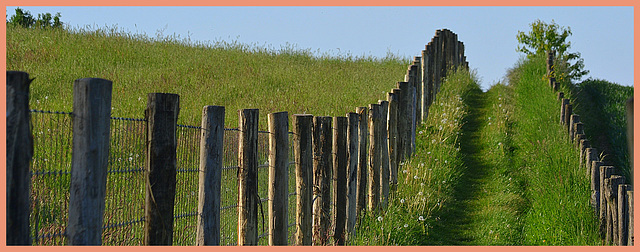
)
(486, 207)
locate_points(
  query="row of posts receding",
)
(358, 155)
(611, 192)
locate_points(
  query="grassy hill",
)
(233, 75)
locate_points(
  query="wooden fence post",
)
(90, 158)
(162, 116)
(567, 116)
(605, 173)
(392, 129)
(374, 156)
(19, 154)
(417, 84)
(248, 197)
(630, 240)
(424, 98)
(210, 175)
(278, 178)
(302, 147)
(584, 144)
(404, 121)
(363, 161)
(595, 186)
(591, 155)
(572, 130)
(339, 179)
(352, 170)
(384, 154)
(563, 106)
(612, 208)
(322, 169)
(623, 215)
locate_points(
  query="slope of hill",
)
(233, 75)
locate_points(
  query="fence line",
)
(391, 129)
(611, 196)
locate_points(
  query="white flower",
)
(445, 161)
(489, 118)
(444, 181)
(428, 153)
(406, 225)
(499, 144)
(433, 141)
(46, 97)
(404, 171)
(420, 193)
(130, 159)
(489, 123)
(379, 218)
(402, 201)
(415, 177)
(500, 105)
(420, 132)
(421, 218)
(458, 149)
(440, 128)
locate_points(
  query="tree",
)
(25, 19)
(545, 37)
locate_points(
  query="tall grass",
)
(426, 182)
(557, 188)
(601, 106)
(233, 75)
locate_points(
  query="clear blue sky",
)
(603, 35)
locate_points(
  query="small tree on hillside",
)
(545, 37)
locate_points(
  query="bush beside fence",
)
(336, 175)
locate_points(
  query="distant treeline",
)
(25, 19)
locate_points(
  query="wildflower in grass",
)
(489, 123)
(421, 164)
(433, 141)
(428, 153)
(500, 144)
(436, 159)
(445, 161)
(500, 105)
(402, 201)
(489, 118)
(379, 218)
(406, 225)
(130, 159)
(444, 181)
(499, 98)
(404, 171)
(420, 132)
(458, 149)
(415, 177)
(420, 193)
(421, 218)
(421, 184)
(443, 121)
(440, 128)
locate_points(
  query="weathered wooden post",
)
(375, 153)
(623, 215)
(612, 208)
(162, 117)
(302, 147)
(392, 129)
(584, 144)
(417, 83)
(322, 169)
(278, 178)
(591, 155)
(352, 170)
(563, 106)
(572, 130)
(90, 158)
(605, 173)
(567, 116)
(404, 121)
(248, 178)
(384, 154)
(595, 186)
(424, 98)
(339, 179)
(210, 175)
(363, 161)
(630, 234)
(19, 154)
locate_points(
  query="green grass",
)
(426, 183)
(557, 189)
(233, 75)
(601, 106)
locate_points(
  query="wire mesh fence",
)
(125, 192)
